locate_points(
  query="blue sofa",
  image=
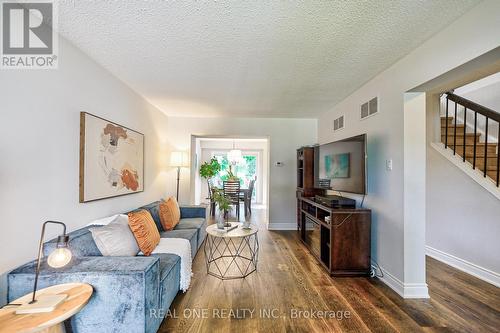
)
(131, 294)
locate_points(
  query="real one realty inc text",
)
(249, 313)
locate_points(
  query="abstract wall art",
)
(111, 159)
(337, 165)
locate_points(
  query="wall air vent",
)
(338, 123)
(369, 108)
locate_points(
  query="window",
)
(245, 170)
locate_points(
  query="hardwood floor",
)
(289, 280)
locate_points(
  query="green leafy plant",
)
(208, 170)
(223, 203)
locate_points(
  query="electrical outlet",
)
(388, 165)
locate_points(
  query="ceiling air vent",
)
(369, 108)
(338, 123)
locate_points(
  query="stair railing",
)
(476, 108)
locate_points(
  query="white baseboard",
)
(405, 290)
(282, 226)
(465, 266)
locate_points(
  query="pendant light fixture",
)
(234, 155)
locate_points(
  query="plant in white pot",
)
(225, 207)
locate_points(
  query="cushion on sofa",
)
(170, 213)
(80, 242)
(190, 234)
(170, 285)
(115, 239)
(197, 223)
(167, 262)
(190, 223)
(145, 231)
(153, 209)
(188, 211)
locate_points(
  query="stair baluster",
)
(498, 156)
(465, 130)
(446, 124)
(488, 168)
(486, 149)
(475, 141)
(455, 132)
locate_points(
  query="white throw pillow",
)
(105, 220)
(115, 239)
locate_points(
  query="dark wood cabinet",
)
(305, 168)
(306, 164)
(338, 238)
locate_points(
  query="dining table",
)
(243, 192)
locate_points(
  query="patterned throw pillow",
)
(170, 213)
(145, 232)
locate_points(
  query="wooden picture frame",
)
(111, 159)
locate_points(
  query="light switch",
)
(279, 164)
(388, 165)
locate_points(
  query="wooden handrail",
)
(487, 112)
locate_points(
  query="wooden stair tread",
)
(492, 174)
(490, 157)
(461, 133)
(481, 144)
(451, 127)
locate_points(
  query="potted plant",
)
(231, 176)
(224, 207)
(208, 170)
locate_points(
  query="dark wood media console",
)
(342, 246)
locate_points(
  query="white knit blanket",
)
(178, 246)
(182, 248)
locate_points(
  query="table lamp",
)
(60, 257)
(178, 159)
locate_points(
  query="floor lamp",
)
(178, 159)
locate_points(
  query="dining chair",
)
(247, 198)
(232, 192)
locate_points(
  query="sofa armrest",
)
(193, 211)
(126, 290)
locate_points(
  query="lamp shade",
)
(234, 156)
(179, 159)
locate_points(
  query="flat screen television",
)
(342, 165)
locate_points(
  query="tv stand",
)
(338, 238)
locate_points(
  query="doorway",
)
(252, 165)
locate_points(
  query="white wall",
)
(488, 95)
(285, 136)
(478, 30)
(462, 217)
(39, 135)
(414, 194)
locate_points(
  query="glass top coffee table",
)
(231, 254)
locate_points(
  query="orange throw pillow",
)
(170, 213)
(145, 231)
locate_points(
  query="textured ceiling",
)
(251, 58)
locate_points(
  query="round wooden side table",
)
(232, 254)
(78, 296)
